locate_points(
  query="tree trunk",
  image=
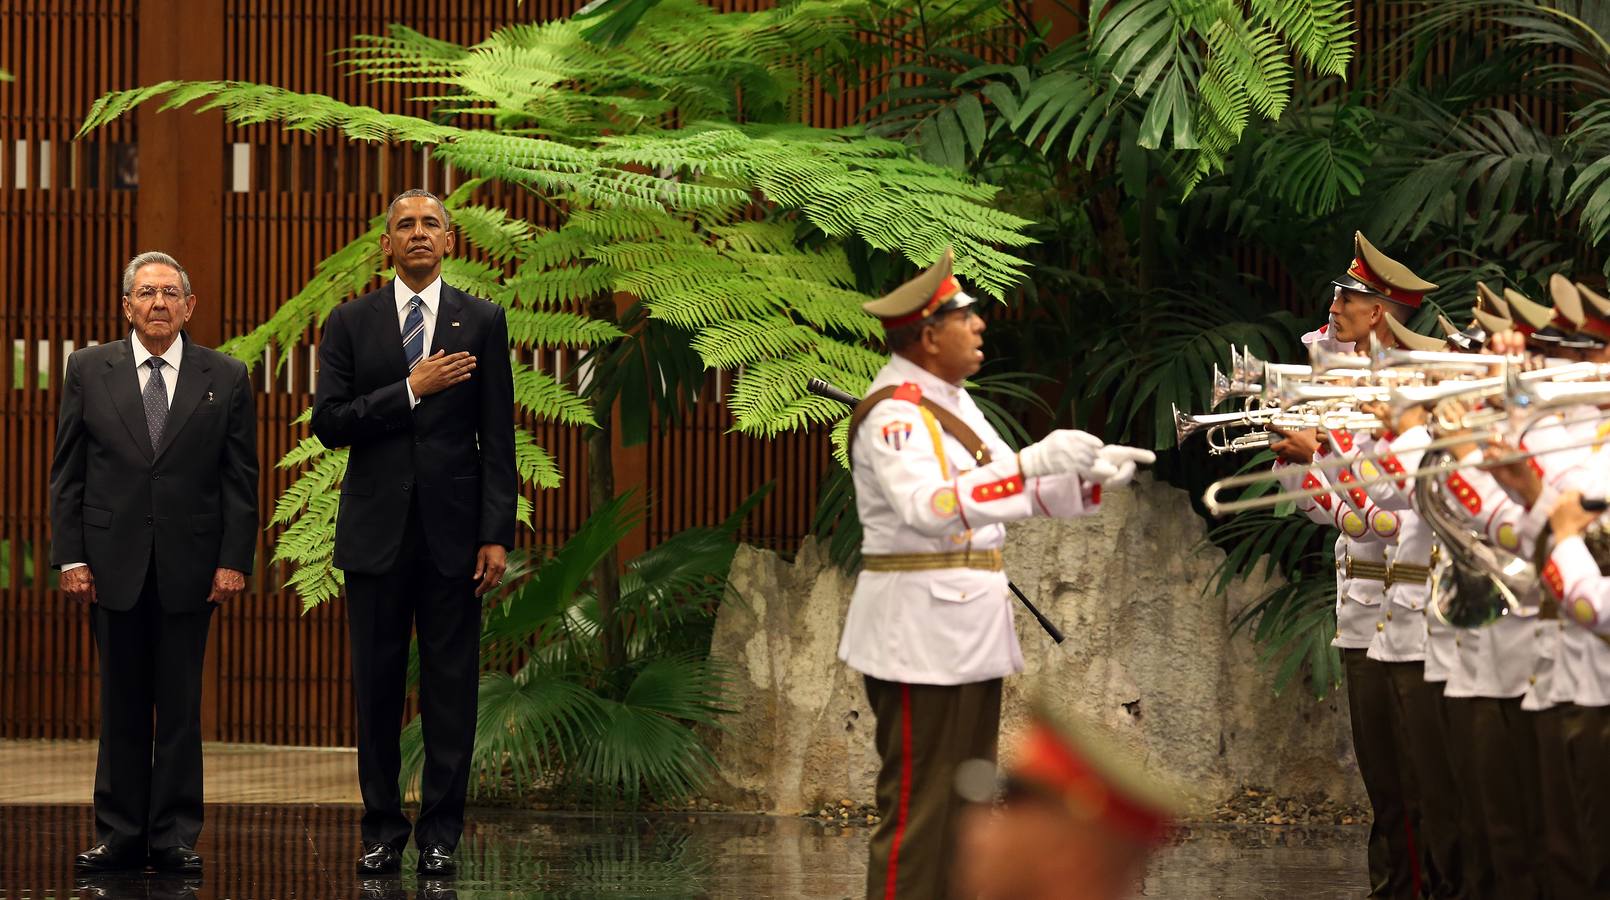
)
(600, 491)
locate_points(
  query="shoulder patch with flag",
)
(897, 434)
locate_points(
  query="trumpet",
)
(1216, 426)
(1382, 357)
(1495, 431)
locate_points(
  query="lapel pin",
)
(454, 324)
(209, 396)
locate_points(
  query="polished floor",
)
(305, 848)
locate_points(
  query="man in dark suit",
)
(415, 378)
(153, 512)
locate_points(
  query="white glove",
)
(1070, 451)
(1124, 460)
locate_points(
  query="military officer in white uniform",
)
(930, 624)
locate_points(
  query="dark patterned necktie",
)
(156, 402)
(414, 334)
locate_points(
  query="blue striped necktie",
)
(414, 334)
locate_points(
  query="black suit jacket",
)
(113, 497)
(452, 455)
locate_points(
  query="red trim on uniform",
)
(1362, 271)
(1310, 482)
(1414, 858)
(1095, 494)
(911, 392)
(947, 289)
(1037, 499)
(904, 808)
(1466, 494)
(1555, 581)
(1343, 439)
(998, 490)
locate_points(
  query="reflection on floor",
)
(281, 825)
(294, 852)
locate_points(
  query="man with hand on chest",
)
(153, 514)
(415, 378)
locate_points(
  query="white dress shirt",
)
(142, 370)
(430, 296)
(170, 371)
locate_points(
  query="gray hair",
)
(153, 258)
(391, 211)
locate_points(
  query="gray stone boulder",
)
(1148, 655)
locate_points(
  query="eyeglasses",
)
(149, 292)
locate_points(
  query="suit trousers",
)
(382, 611)
(1418, 709)
(1459, 726)
(1507, 789)
(148, 772)
(924, 731)
(1382, 755)
(1587, 746)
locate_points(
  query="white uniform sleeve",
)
(1573, 574)
(1320, 508)
(895, 442)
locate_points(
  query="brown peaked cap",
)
(1491, 302)
(1534, 315)
(1593, 303)
(915, 295)
(1493, 324)
(1567, 300)
(1410, 339)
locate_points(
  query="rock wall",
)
(1148, 655)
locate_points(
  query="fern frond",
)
(541, 395)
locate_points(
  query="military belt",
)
(1362, 569)
(1404, 573)
(987, 560)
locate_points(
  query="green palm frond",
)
(1314, 161)
(1486, 167)
(648, 743)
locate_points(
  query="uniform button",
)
(406, 486)
(156, 476)
(1458, 642)
(1380, 626)
(148, 520)
(1389, 617)
(1532, 680)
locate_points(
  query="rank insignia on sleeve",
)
(1343, 440)
(1554, 580)
(1466, 494)
(1311, 483)
(998, 490)
(896, 434)
(944, 502)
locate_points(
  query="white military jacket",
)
(918, 492)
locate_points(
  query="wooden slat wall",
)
(69, 211)
(274, 675)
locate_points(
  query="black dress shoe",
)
(176, 861)
(379, 859)
(102, 858)
(436, 861)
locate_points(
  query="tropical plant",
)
(554, 710)
(731, 242)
